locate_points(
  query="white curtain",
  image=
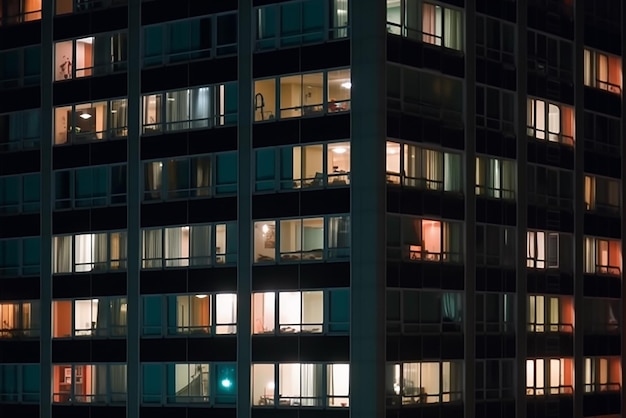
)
(63, 254)
(200, 107)
(177, 112)
(453, 29)
(84, 252)
(452, 172)
(311, 384)
(176, 247)
(340, 19)
(152, 248)
(200, 239)
(226, 313)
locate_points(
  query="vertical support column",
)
(368, 200)
(45, 279)
(623, 295)
(522, 209)
(244, 210)
(579, 210)
(470, 212)
(134, 209)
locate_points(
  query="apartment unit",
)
(311, 208)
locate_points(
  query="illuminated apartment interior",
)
(329, 208)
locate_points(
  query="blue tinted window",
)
(226, 385)
(339, 302)
(151, 383)
(152, 315)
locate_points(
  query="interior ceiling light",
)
(339, 150)
(346, 85)
(85, 115)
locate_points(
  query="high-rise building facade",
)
(311, 208)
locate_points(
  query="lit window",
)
(430, 23)
(495, 178)
(18, 11)
(424, 382)
(19, 319)
(194, 108)
(307, 239)
(426, 169)
(550, 313)
(89, 122)
(428, 240)
(603, 71)
(603, 374)
(86, 57)
(191, 245)
(602, 194)
(299, 95)
(89, 252)
(297, 312)
(550, 121)
(542, 249)
(103, 383)
(100, 317)
(603, 256)
(300, 384)
(549, 376)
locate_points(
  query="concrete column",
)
(470, 212)
(522, 209)
(368, 199)
(45, 346)
(579, 210)
(244, 211)
(134, 208)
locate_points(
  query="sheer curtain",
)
(339, 236)
(153, 177)
(200, 239)
(63, 254)
(340, 19)
(226, 313)
(117, 380)
(432, 169)
(453, 34)
(176, 246)
(452, 308)
(311, 384)
(152, 248)
(200, 107)
(431, 21)
(177, 112)
(452, 172)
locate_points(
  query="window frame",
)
(426, 178)
(77, 375)
(273, 390)
(219, 100)
(159, 260)
(109, 264)
(216, 327)
(67, 69)
(593, 66)
(213, 397)
(270, 235)
(327, 105)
